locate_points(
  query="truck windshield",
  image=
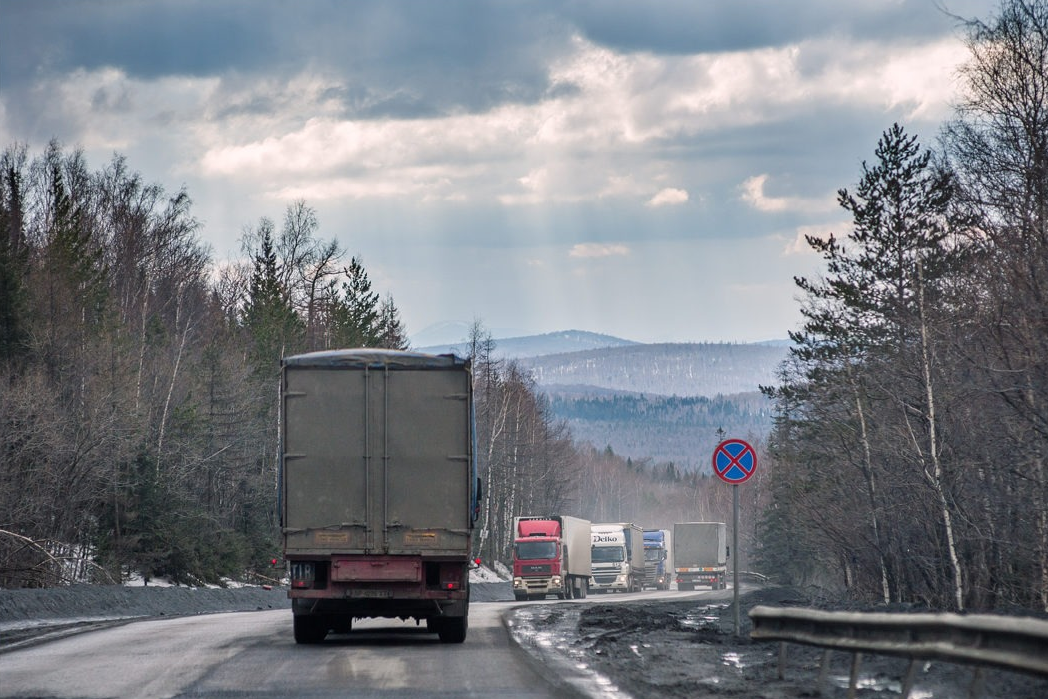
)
(607, 554)
(536, 550)
(653, 554)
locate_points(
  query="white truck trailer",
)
(618, 557)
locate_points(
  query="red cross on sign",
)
(734, 461)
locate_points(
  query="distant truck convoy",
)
(551, 556)
(379, 491)
(658, 558)
(700, 554)
(618, 557)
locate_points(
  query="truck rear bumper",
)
(384, 608)
(715, 578)
(379, 586)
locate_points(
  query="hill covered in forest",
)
(678, 369)
(656, 403)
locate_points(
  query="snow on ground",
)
(483, 574)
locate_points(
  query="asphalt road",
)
(253, 654)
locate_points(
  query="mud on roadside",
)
(689, 649)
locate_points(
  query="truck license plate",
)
(371, 594)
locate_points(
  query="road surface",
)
(253, 654)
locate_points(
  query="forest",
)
(909, 456)
(907, 460)
(139, 410)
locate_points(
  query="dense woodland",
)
(138, 416)
(910, 456)
(908, 459)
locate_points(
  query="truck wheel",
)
(521, 596)
(584, 589)
(452, 629)
(310, 629)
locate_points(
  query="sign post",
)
(734, 462)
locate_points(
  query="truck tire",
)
(452, 629)
(521, 596)
(584, 588)
(310, 629)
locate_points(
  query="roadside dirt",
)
(689, 649)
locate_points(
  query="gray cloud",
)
(425, 59)
(688, 26)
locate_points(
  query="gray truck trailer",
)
(700, 554)
(379, 491)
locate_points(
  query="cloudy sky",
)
(640, 168)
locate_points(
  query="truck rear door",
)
(376, 460)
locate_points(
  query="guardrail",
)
(753, 576)
(1012, 643)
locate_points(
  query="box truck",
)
(378, 489)
(551, 556)
(700, 554)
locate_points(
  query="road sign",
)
(734, 461)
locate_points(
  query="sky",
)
(639, 168)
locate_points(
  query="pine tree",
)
(268, 316)
(865, 344)
(13, 257)
(355, 313)
(391, 331)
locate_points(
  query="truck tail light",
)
(302, 575)
(451, 576)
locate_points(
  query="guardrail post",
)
(907, 681)
(853, 678)
(978, 684)
(824, 671)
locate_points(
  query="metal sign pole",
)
(734, 462)
(735, 550)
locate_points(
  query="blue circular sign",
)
(734, 461)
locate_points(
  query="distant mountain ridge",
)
(560, 342)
